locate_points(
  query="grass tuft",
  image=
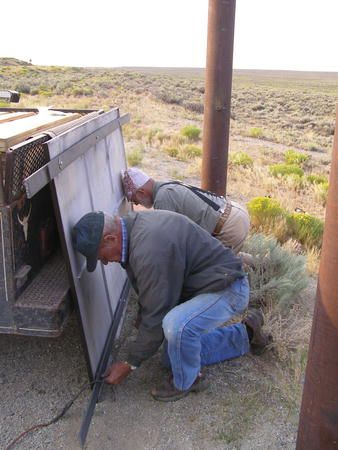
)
(316, 179)
(285, 169)
(256, 133)
(191, 132)
(321, 191)
(191, 151)
(293, 157)
(264, 210)
(135, 157)
(307, 229)
(241, 159)
(172, 151)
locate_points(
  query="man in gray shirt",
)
(226, 220)
(188, 286)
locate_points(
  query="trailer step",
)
(43, 307)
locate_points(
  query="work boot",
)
(259, 341)
(167, 392)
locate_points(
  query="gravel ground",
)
(241, 410)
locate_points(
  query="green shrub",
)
(171, 151)
(191, 132)
(285, 169)
(315, 148)
(293, 157)
(263, 210)
(197, 107)
(135, 157)
(241, 159)
(23, 88)
(168, 97)
(267, 215)
(45, 92)
(256, 132)
(277, 275)
(258, 107)
(191, 151)
(79, 91)
(316, 179)
(307, 229)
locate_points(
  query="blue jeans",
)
(192, 338)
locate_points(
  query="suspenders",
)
(200, 193)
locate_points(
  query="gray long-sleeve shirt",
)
(180, 199)
(170, 260)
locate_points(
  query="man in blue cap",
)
(188, 286)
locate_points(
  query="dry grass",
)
(312, 261)
(291, 338)
(291, 192)
(277, 287)
(289, 347)
(284, 107)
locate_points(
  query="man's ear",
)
(141, 191)
(109, 238)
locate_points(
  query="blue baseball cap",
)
(87, 235)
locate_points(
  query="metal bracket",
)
(35, 182)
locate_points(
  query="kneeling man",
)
(188, 286)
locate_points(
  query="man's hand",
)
(117, 372)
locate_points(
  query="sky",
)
(269, 34)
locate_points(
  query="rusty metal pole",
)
(318, 426)
(221, 25)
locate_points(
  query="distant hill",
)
(13, 62)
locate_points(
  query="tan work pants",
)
(235, 228)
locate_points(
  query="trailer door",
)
(84, 171)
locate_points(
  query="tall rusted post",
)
(318, 426)
(221, 25)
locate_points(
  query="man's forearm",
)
(145, 346)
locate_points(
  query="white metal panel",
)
(90, 183)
